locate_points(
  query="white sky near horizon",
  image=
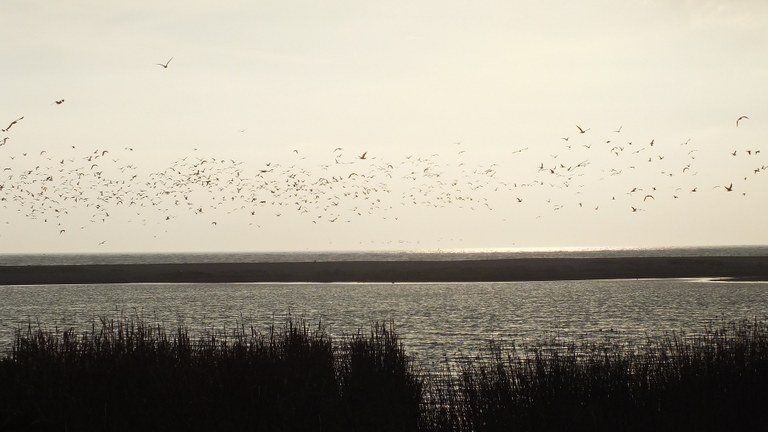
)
(460, 108)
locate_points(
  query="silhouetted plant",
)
(126, 374)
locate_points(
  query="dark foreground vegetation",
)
(130, 375)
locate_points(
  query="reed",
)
(127, 374)
(714, 380)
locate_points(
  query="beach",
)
(743, 268)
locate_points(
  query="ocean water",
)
(435, 320)
(439, 255)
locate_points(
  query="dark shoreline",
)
(737, 268)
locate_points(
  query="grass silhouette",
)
(127, 374)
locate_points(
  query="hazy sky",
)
(461, 109)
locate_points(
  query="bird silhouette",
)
(582, 130)
(740, 119)
(12, 123)
(59, 102)
(165, 66)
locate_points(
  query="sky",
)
(349, 125)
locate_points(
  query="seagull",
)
(165, 66)
(582, 130)
(12, 123)
(618, 130)
(363, 155)
(59, 102)
(740, 119)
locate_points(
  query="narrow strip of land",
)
(520, 269)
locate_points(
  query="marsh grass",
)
(127, 374)
(715, 380)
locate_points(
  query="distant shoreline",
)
(737, 268)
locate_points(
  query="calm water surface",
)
(434, 319)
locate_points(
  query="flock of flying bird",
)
(72, 189)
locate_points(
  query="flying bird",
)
(12, 123)
(363, 155)
(165, 66)
(740, 119)
(59, 102)
(582, 130)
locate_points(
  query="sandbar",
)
(752, 268)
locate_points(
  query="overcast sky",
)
(451, 116)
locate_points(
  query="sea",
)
(435, 321)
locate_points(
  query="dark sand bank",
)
(523, 269)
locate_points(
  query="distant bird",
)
(362, 156)
(740, 119)
(649, 196)
(618, 130)
(4, 141)
(165, 66)
(12, 123)
(582, 130)
(729, 188)
(59, 102)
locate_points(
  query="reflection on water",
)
(434, 319)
